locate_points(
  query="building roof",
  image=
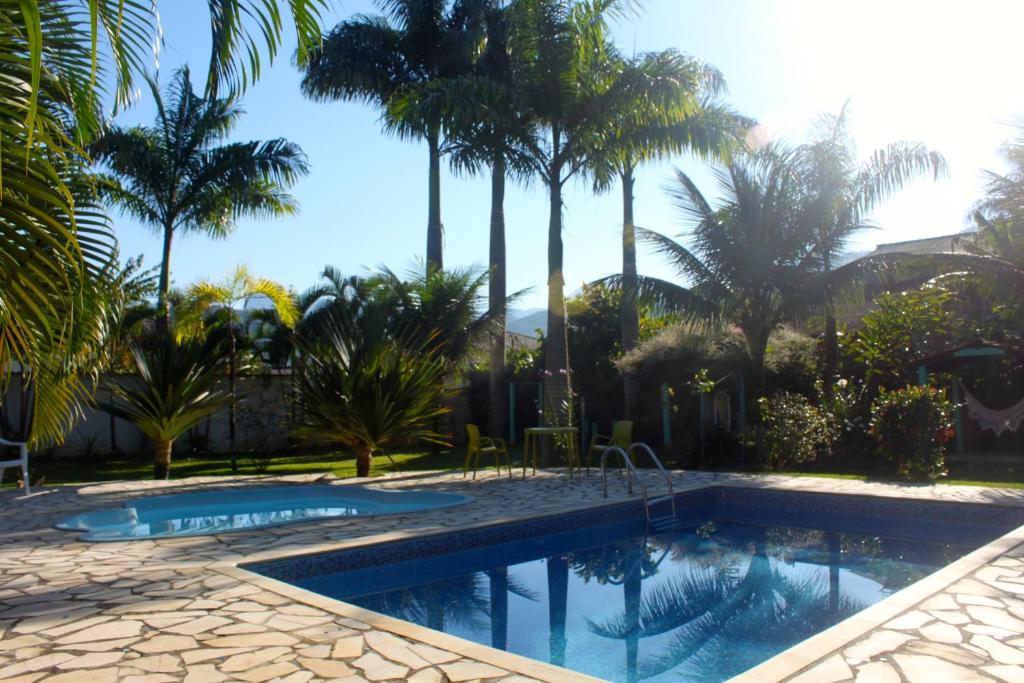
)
(942, 244)
(977, 349)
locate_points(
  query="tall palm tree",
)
(386, 60)
(567, 85)
(488, 131)
(175, 391)
(226, 304)
(175, 176)
(843, 191)
(665, 108)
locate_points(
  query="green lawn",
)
(74, 471)
(995, 483)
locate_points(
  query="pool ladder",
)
(658, 524)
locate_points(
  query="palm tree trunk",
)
(162, 459)
(831, 341)
(162, 304)
(557, 389)
(364, 460)
(757, 345)
(114, 450)
(630, 317)
(496, 293)
(231, 400)
(435, 231)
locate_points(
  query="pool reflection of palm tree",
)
(498, 579)
(457, 601)
(624, 564)
(462, 602)
(558, 605)
(712, 610)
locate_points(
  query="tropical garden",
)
(771, 348)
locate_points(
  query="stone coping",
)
(58, 595)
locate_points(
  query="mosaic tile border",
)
(854, 514)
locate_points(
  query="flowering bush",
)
(791, 430)
(912, 426)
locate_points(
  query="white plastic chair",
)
(22, 461)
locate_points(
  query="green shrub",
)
(791, 430)
(912, 426)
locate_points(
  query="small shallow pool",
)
(249, 507)
(747, 574)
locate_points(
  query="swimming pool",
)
(747, 574)
(250, 507)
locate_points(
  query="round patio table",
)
(532, 437)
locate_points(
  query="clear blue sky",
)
(944, 73)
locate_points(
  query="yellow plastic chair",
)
(484, 444)
(622, 436)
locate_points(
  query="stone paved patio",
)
(171, 610)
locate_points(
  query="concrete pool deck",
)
(181, 609)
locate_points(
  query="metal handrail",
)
(630, 471)
(665, 472)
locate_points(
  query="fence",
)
(262, 424)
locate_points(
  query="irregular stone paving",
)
(151, 611)
(972, 631)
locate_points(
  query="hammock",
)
(998, 421)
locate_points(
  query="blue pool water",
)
(215, 512)
(748, 574)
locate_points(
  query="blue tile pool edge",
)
(966, 519)
(800, 657)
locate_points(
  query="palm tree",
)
(665, 108)
(176, 178)
(843, 192)
(439, 309)
(750, 259)
(334, 290)
(386, 60)
(1004, 192)
(568, 88)
(226, 303)
(58, 251)
(174, 391)
(366, 387)
(488, 131)
(993, 262)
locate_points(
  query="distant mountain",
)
(527, 321)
